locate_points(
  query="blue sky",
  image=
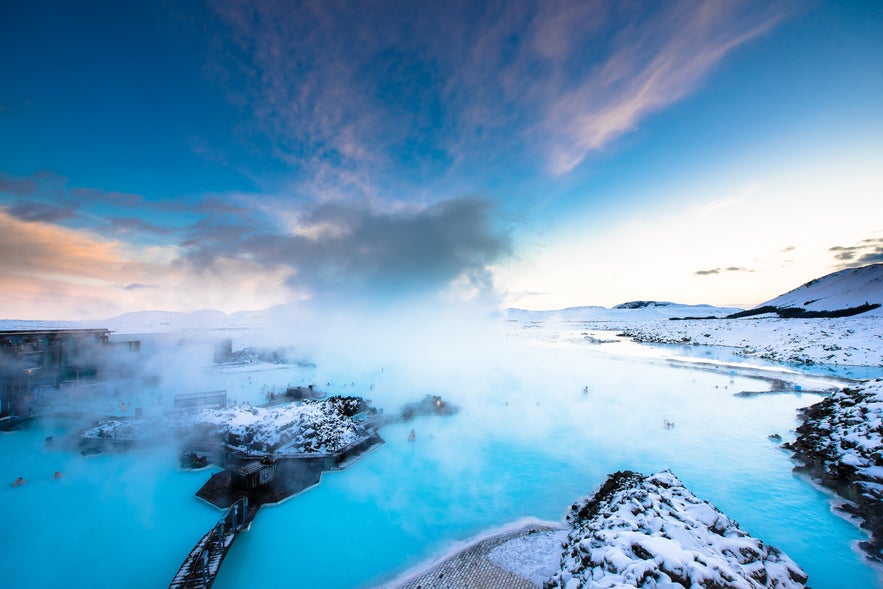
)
(536, 154)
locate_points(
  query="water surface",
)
(541, 426)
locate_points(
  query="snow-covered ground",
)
(856, 341)
(651, 531)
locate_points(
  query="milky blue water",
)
(528, 442)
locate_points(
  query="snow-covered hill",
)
(845, 289)
(165, 321)
(631, 311)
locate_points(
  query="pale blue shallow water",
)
(528, 442)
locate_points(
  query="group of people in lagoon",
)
(21, 480)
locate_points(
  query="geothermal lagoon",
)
(543, 420)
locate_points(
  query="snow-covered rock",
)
(322, 427)
(650, 531)
(841, 443)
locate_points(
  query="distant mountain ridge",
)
(853, 291)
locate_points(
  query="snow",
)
(533, 556)
(639, 531)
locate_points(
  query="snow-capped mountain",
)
(844, 289)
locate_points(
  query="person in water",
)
(57, 475)
(412, 436)
(19, 482)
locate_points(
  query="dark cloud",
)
(720, 270)
(867, 251)
(134, 225)
(354, 251)
(138, 286)
(41, 212)
(872, 257)
(41, 182)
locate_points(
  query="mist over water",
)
(543, 420)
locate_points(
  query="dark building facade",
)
(30, 360)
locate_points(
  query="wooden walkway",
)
(203, 563)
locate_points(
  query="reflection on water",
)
(540, 427)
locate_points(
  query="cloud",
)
(342, 92)
(42, 249)
(362, 252)
(53, 272)
(134, 225)
(43, 212)
(713, 271)
(97, 196)
(867, 251)
(652, 64)
(26, 186)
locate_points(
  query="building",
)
(35, 359)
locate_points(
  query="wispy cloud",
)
(714, 271)
(653, 63)
(341, 91)
(138, 286)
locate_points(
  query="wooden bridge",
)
(203, 563)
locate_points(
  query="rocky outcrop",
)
(648, 531)
(840, 443)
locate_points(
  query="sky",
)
(240, 155)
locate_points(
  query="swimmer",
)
(57, 475)
(412, 436)
(19, 482)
